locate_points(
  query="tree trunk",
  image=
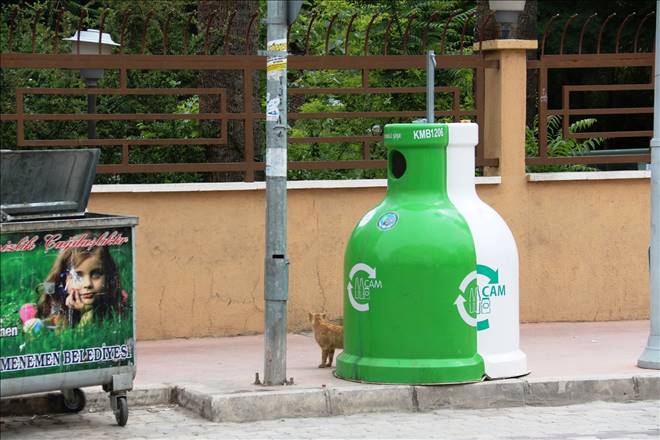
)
(527, 30)
(232, 80)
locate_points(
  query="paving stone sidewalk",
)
(596, 420)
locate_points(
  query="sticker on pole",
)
(276, 162)
(278, 45)
(273, 109)
(362, 281)
(275, 67)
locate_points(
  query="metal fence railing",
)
(447, 34)
(341, 50)
(248, 65)
(606, 76)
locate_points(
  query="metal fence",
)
(627, 145)
(431, 33)
(393, 56)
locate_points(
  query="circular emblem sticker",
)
(387, 221)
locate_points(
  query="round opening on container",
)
(397, 164)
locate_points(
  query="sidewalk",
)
(229, 364)
(569, 363)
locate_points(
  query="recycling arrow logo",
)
(483, 272)
(374, 283)
(493, 275)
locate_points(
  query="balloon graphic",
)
(33, 325)
(27, 312)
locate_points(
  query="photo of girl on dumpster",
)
(67, 301)
(82, 289)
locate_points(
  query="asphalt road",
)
(599, 420)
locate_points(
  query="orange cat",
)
(329, 336)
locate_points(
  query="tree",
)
(217, 14)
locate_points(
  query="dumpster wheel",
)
(74, 400)
(121, 410)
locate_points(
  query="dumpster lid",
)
(46, 183)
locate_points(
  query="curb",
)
(271, 403)
(323, 402)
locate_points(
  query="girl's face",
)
(89, 278)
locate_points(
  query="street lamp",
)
(91, 42)
(650, 357)
(506, 13)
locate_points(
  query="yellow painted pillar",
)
(505, 105)
(504, 138)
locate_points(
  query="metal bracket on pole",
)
(278, 289)
(292, 10)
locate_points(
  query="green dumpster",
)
(403, 269)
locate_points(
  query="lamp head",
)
(91, 42)
(506, 13)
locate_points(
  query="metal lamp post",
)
(281, 14)
(506, 13)
(91, 42)
(650, 357)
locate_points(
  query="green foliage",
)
(400, 10)
(560, 146)
(584, 9)
(158, 11)
(174, 129)
(330, 126)
(45, 42)
(179, 11)
(620, 26)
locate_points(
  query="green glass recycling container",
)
(408, 298)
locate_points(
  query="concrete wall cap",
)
(506, 45)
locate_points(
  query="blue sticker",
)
(388, 221)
